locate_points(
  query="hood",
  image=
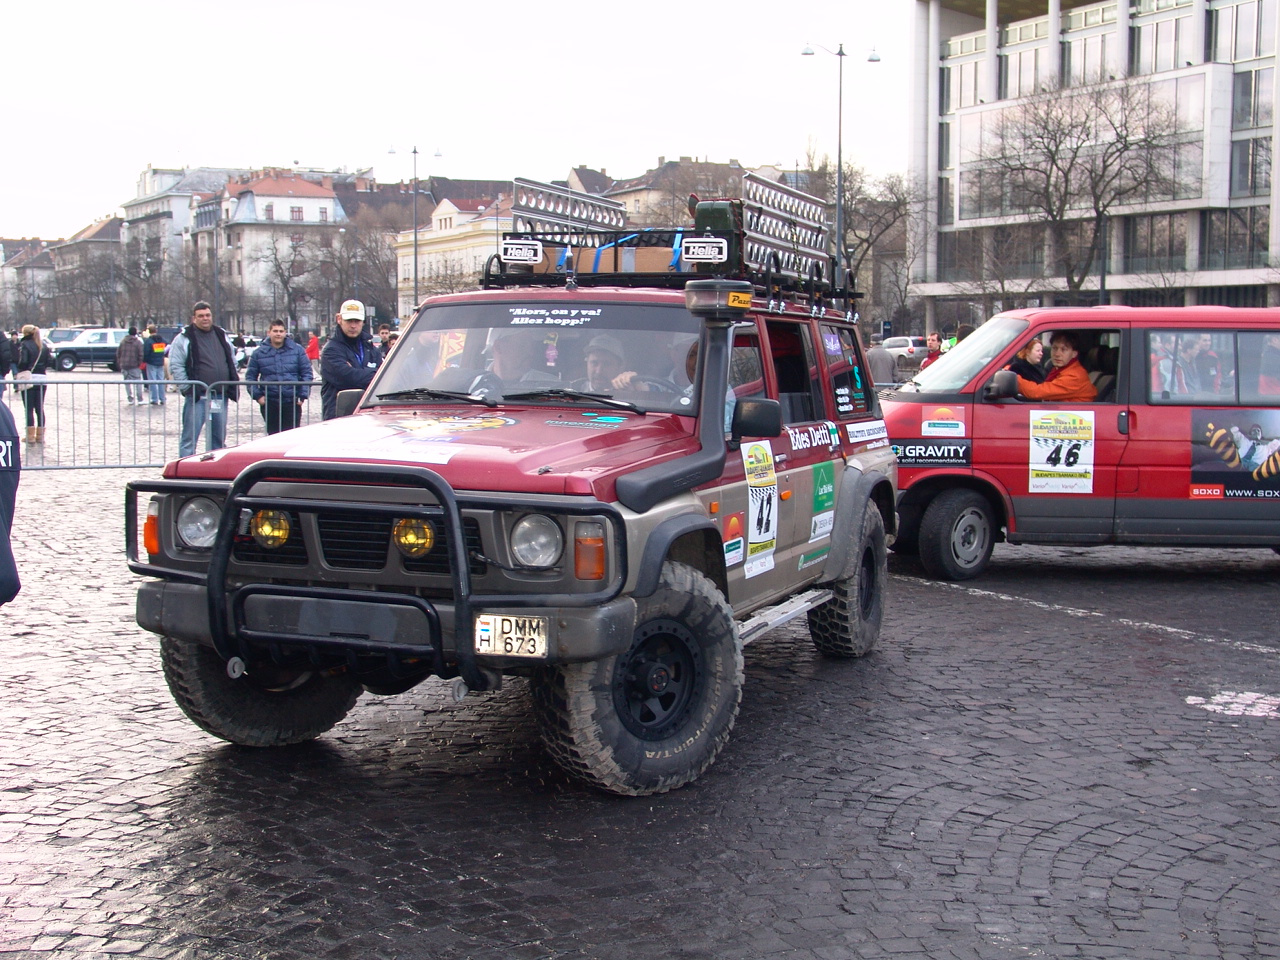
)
(549, 450)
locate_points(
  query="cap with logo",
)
(351, 310)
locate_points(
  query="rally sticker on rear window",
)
(1061, 451)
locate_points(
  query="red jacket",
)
(1070, 384)
(313, 348)
(932, 356)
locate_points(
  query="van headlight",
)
(536, 541)
(198, 522)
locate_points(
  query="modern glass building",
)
(1210, 238)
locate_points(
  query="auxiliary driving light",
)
(270, 528)
(413, 537)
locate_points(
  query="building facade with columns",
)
(1212, 240)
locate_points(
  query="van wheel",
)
(66, 362)
(267, 707)
(655, 716)
(848, 625)
(957, 533)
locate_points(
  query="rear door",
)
(1058, 461)
(1203, 462)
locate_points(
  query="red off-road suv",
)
(579, 476)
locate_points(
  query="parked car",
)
(907, 351)
(89, 347)
(1176, 445)
(55, 335)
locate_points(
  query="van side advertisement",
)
(1235, 454)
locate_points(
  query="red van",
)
(1168, 434)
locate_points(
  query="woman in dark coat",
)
(1027, 363)
(36, 357)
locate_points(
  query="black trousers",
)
(280, 414)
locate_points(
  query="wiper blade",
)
(427, 393)
(574, 396)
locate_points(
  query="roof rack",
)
(774, 237)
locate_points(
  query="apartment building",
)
(1210, 239)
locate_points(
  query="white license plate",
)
(500, 635)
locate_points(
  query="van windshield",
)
(955, 368)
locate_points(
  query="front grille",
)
(293, 551)
(437, 561)
(360, 542)
(354, 541)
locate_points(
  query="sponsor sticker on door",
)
(1061, 451)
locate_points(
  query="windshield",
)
(955, 368)
(613, 353)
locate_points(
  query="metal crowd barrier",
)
(90, 425)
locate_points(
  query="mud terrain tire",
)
(653, 717)
(263, 708)
(848, 625)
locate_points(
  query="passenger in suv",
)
(1145, 447)
(611, 545)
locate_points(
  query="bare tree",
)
(292, 262)
(1068, 157)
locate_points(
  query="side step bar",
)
(762, 621)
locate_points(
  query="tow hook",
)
(235, 668)
(491, 682)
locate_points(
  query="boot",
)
(31, 434)
(39, 434)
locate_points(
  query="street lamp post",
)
(873, 57)
(415, 228)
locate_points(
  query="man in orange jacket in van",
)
(1068, 381)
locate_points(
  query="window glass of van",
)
(1260, 367)
(966, 359)
(1191, 366)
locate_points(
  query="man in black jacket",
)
(349, 360)
(10, 470)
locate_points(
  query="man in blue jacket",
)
(10, 470)
(349, 360)
(282, 361)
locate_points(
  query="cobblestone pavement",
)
(1072, 757)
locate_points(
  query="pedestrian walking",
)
(313, 353)
(153, 349)
(883, 366)
(129, 362)
(281, 360)
(10, 471)
(202, 354)
(34, 360)
(349, 360)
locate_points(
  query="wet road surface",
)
(1074, 756)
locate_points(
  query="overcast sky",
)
(97, 91)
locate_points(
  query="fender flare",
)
(855, 493)
(658, 545)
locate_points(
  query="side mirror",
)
(756, 418)
(347, 400)
(1003, 386)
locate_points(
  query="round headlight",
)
(270, 528)
(413, 537)
(536, 541)
(198, 522)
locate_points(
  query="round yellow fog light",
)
(270, 528)
(413, 537)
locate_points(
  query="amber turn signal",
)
(588, 551)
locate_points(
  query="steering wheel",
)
(660, 384)
(487, 384)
